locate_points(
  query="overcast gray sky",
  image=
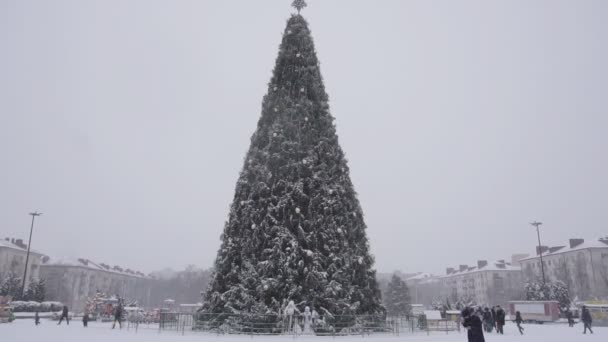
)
(126, 122)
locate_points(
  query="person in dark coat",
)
(488, 323)
(570, 318)
(118, 316)
(587, 320)
(37, 318)
(64, 314)
(500, 319)
(518, 321)
(473, 325)
(493, 311)
(85, 319)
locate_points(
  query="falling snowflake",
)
(274, 135)
(276, 109)
(275, 88)
(265, 287)
(297, 210)
(242, 202)
(301, 90)
(306, 118)
(298, 54)
(309, 253)
(253, 226)
(304, 161)
(339, 230)
(360, 260)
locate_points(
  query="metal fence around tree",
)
(334, 325)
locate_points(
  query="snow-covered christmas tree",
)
(295, 231)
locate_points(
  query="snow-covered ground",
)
(25, 331)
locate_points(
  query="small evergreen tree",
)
(11, 286)
(36, 290)
(397, 300)
(556, 290)
(560, 293)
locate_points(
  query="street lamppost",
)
(540, 251)
(27, 258)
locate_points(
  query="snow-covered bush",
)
(31, 306)
(556, 290)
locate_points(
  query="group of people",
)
(118, 316)
(493, 319)
(486, 319)
(476, 321)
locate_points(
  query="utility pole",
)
(540, 251)
(27, 258)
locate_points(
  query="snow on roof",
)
(491, 266)
(8, 244)
(86, 263)
(420, 276)
(585, 244)
(432, 315)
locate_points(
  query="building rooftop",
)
(572, 246)
(97, 266)
(422, 277)
(482, 266)
(16, 244)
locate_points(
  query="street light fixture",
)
(27, 258)
(540, 250)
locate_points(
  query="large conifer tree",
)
(295, 229)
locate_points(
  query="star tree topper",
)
(299, 4)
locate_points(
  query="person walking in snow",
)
(473, 324)
(487, 320)
(570, 318)
(64, 314)
(118, 316)
(500, 320)
(85, 319)
(518, 321)
(36, 318)
(587, 319)
(493, 312)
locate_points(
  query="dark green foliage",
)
(556, 290)
(397, 298)
(36, 291)
(11, 286)
(295, 229)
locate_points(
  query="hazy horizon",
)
(126, 123)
